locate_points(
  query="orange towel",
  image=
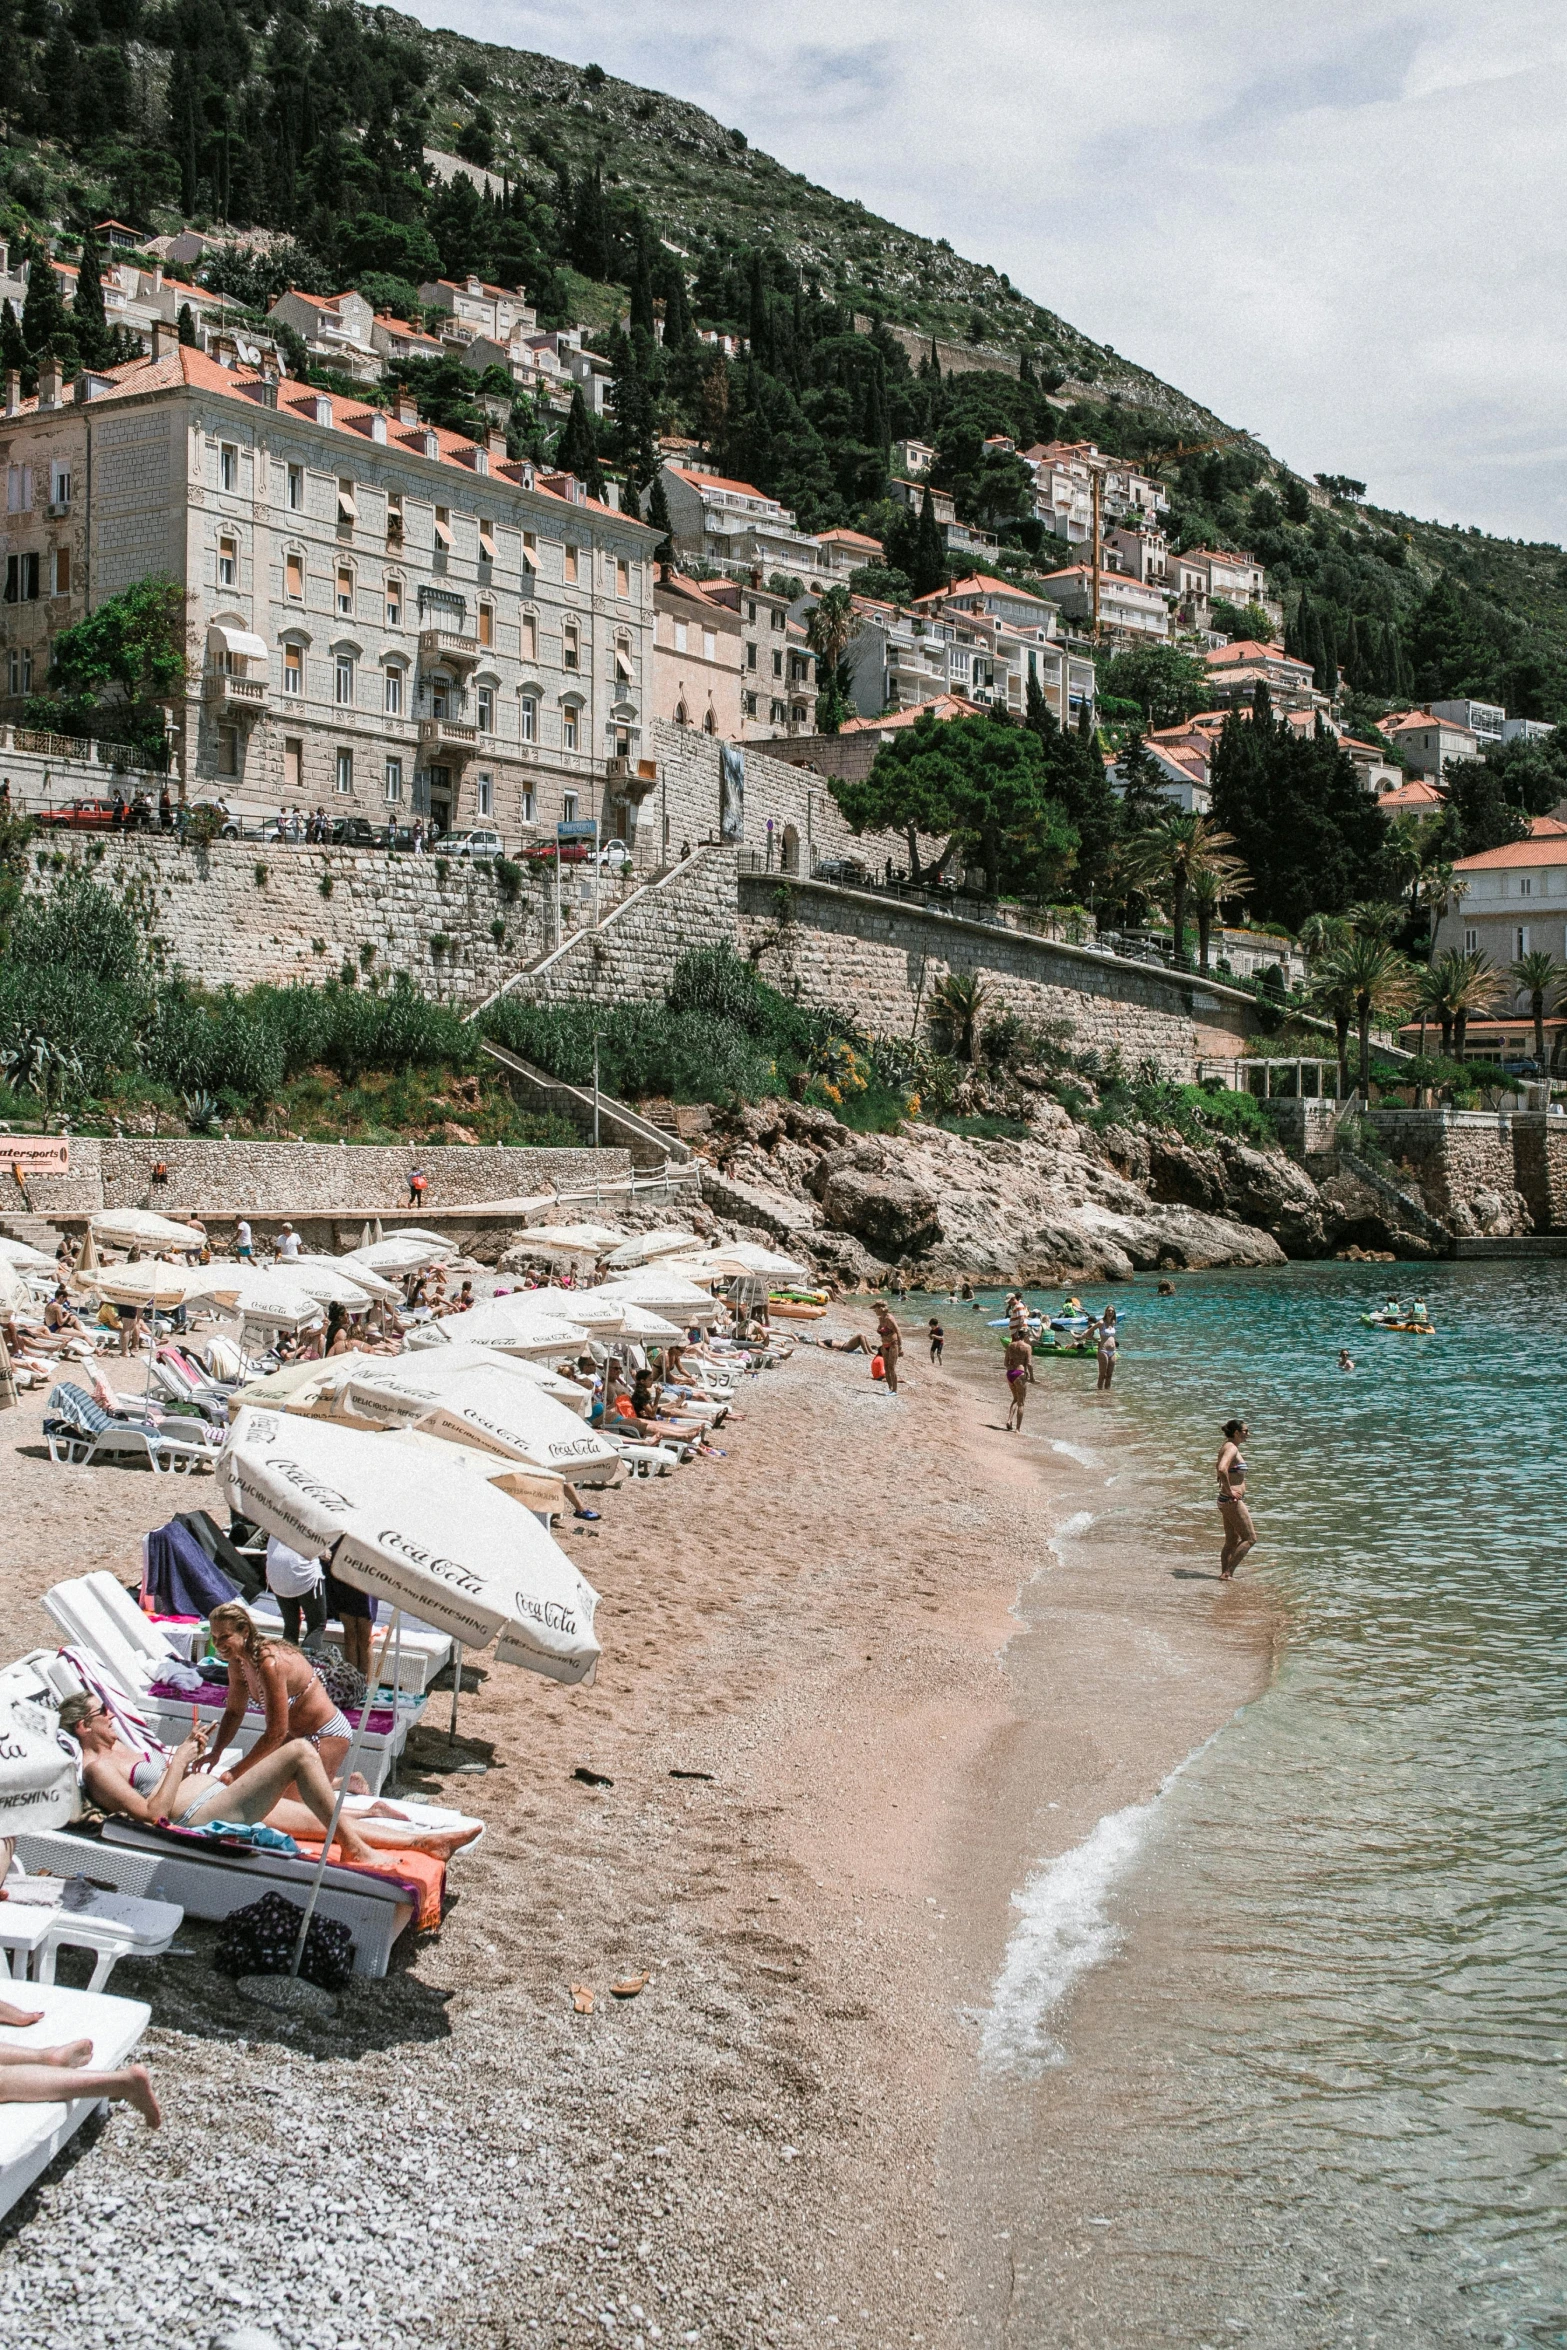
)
(422, 1872)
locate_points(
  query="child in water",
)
(937, 1337)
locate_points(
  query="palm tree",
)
(1168, 857)
(1472, 986)
(1440, 887)
(1333, 996)
(1320, 934)
(1375, 918)
(1537, 975)
(831, 628)
(1430, 1001)
(1377, 981)
(957, 1001)
(1208, 892)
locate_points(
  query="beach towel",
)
(178, 1574)
(421, 1874)
(223, 1550)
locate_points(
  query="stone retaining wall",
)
(1451, 1155)
(803, 812)
(289, 1178)
(630, 957)
(882, 961)
(1540, 1168)
(239, 913)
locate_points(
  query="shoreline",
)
(856, 1623)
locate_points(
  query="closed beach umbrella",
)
(37, 1774)
(431, 1539)
(643, 1247)
(88, 1260)
(258, 1295)
(140, 1228)
(483, 1404)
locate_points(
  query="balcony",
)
(448, 737)
(236, 697)
(449, 647)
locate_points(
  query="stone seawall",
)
(882, 961)
(239, 913)
(631, 955)
(284, 1178)
(1465, 1160)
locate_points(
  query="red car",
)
(83, 816)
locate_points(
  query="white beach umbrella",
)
(458, 1351)
(484, 1404)
(15, 1296)
(38, 1786)
(535, 1488)
(730, 1258)
(663, 1290)
(429, 1538)
(518, 1328)
(25, 1258)
(573, 1240)
(643, 1247)
(140, 1228)
(298, 1387)
(594, 1309)
(258, 1295)
(647, 1329)
(440, 1240)
(331, 1280)
(149, 1282)
(400, 1254)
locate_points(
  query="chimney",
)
(13, 390)
(157, 278)
(498, 445)
(165, 340)
(407, 408)
(378, 429)
(323, 407)
(50, 383)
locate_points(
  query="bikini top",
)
(1237, 1468)
(145, 1775)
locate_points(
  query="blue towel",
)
(179, 1577)
(264, 1838)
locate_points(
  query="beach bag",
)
(259, 1940)
(878, 1367)
(344, 1683)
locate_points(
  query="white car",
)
(471, 844)
(614, 856)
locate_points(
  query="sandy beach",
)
(913, 1659)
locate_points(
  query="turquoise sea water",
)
(1332, 2020)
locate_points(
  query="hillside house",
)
(1426, 743)
(777, 669)
(697, 657)
(735, 526)
(336, 329)
(1127, 607)
(1515, 902)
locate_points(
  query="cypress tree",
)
(577, 451)
(590, 229)
(87, 315)
(187, 324)
(1353, 658)
(13, 350)
(678, 329)
(632, 398)
(642, 281)
(1327, 675)
(658, 517)
(930, 557)
(44, 318)
(759, 323)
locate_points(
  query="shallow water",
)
(1306, 2012)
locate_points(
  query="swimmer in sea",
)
(1020, 1378)
(1346, 1361)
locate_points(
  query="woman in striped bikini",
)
(287, 1687)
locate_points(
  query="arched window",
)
(710, 722)
(682, 714)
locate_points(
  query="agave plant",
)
(956, 1003)
(202, 1111)
(31, 1064)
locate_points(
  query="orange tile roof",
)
(980, 583)
(719, 481)
(940, 706)
(1247, 649)
(849, 538)
(1546, 845)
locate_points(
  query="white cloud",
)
(1337, 223)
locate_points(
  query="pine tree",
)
(87, 315)
(658, 518)
(577, 451)
(187, 324)
(642, 280)
(13, 350)
(590, 228)
(930, 557)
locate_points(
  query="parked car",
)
(844, 869)
(355, 832)
(473, 844)
(615, 856)
(396, 836)
(84, 816)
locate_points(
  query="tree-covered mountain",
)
(315, 120)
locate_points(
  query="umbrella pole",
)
(397, 1686)
(451, 1735)
(354, 1745)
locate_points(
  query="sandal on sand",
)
(629, 1986)
(586, 1513)
(581, 1999)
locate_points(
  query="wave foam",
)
(1064, 1928)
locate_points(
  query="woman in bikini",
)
(178, 1787)
(1240, 1534)
(287, 1687)
(1020, 1378)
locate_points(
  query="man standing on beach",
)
(891, 1341)
(1020, 1378)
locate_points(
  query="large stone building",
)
(381, 618)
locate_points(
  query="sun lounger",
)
(39, 1918)
(32, 2135)
(211, 1880)
(80, 1431)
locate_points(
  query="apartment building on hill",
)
(382, 618)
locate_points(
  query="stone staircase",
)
(777, 1212)
(36, 1231)
(587, 940)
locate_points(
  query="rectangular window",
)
(394, 518)
(571, 565)
(443, 530)
(750, 657)
(394, 603)
(394, 781)
(486, 624)
(62, 571)
(296, 489)
(622, 742)
(530, 718)
(680, 636)
(777, 662)
(228, 750)
(1521, 936)
(568, 730)
(530, 637)
(750, 610)
(622, 576)
(21, 579)
(344, 688)
(623, 668)
(228, 467)
(293, 763)
(710, 644)
(293, 669)
(484, 705)
(294, 578)
(345, 590)
(1526, 885)
(527, 807)
(530, 550)
(486, 539)
(394, 693)
(19, 489)
(345, 770)
(750, 705)
(778, 620)
(228, 563)
(1471, 942)
(776, 713)
(568, 646)
(486, 795)
(60, 484)
(568, 807)
(347, 504)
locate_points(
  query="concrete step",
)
(777, 1212)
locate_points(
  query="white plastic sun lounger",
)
(32, 2135)
(36, 1924)
(208, 1882)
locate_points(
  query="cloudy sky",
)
(1338, 222)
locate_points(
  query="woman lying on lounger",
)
(177, 1788)
(56, 2076)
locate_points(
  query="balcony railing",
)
(449, 644)
(245, 696)
(448, 734)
